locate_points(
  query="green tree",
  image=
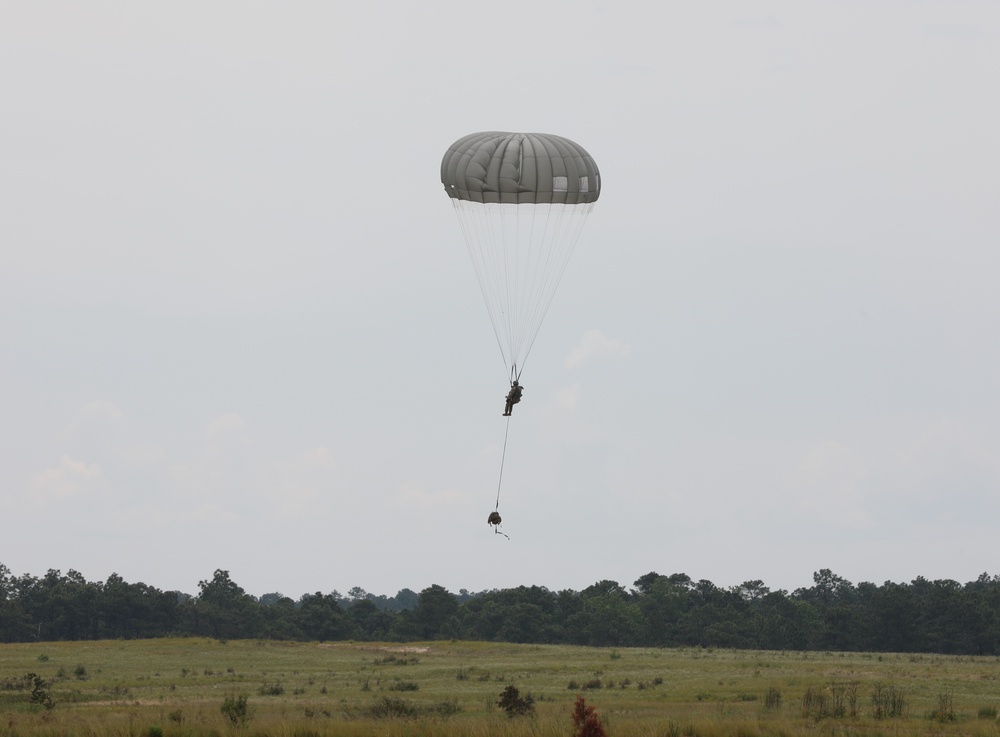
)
(436, 614)
(608, 617)
(662, 605)
(321, 617)
(223, 610)
(370, 622)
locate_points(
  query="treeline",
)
(940, 616)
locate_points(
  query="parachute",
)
(521, 200)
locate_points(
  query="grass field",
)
(179, 686)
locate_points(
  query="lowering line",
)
(503, 456)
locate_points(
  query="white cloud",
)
(98, 414)
(560, 423)
(226, 427)
(103, 409)
(214, 513)
(593, 344)
(567, 398)
(413, 494)
(144, 454)
(69, 479)
(224, 437)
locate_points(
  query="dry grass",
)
(176, 687)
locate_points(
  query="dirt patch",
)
(377, 648)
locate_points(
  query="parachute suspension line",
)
(478, 237)
(493, 245)
(527, 280)
(563, 242)
(502, 457)
(519, 253)
(542, 265)
(513, 231)
(508, 243)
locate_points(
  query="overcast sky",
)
(240, 329)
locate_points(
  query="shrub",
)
(236, 710)
(40, 695)
(946, 708)
(814, 703)
(404, 686)
(514, 704)
(272, 689)
(445, 708)
(392, 659)
(887, 702)
(392, 708)
(586, 723)
(772, 699)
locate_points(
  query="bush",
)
(887, 702)
(445, 709)
(586, 723)
(236, 710)
(514, 704)
(39, 691)
(946, 708)
(392, 708)
(772, 699)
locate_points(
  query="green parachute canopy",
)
(520, 168)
